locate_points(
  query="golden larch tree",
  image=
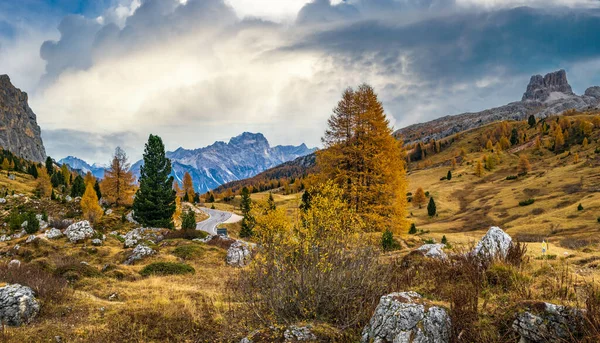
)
(524, 166)
(576, 158)
(89, 179)
(44, 185)
(559, 139)
(489, 145)
(585, 143)
(479, 169)
(419, 198)
(118, 186)
(365, 161)
(89, 204)
(188, 187)
(5, 164)
(178, 209)
(66, 173)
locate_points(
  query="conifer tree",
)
(89, 204)
(479, 169)
(419, 199)
(365, 161)
(413, 229)
(248, 219)
(188, 220)
(49, 166)
(431, 208)
(154, 203)
(514, 136)
(66, 174)
(449, 175)
(524, 166)
(118, 185)
(559, 139)
(188, 187)
(78, 187)
(489, 145)
(585, 143)
(305, 203)
(44, 185)
(5, 164)
(97, 190)
(271, 202)
(531, 121)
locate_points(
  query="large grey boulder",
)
(53, 233)
(239, 254)
(494, 244)
(79, 231)
(18, 305)
(433, 251)
(406, 318)
(139, 252)
(548, 323)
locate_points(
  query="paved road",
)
(216, 217)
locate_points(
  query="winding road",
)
(216, 217)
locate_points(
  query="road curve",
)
(216, 217)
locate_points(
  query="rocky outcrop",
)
(545, 96)
(406, 318)
(19, 131)
(148, 234)
(548, 323)
(18, 305)
(139, 252)
(541, 88)
(494, 244)
(53, 233)
(239, 254)
(433, 250)
(79, 231)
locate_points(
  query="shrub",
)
(429, 241)
(60, 224)
(48, 287)
(188, 220)
(526, 202)
(431, 208)
(388, 242)
(15, 219)
(188, 252)
(33, 224)
(546, 257)
(598, 219)
(167, 268)
(186, 234)
(512, 177)
(444, 240)
(72, 269)
(413, 229)
(580, 207)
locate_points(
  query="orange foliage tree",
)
(188, 187)
(44, 186)
(118, 184)
(89, 204)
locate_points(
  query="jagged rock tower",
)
(540, 88)
(19, 131)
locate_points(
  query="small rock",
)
(298, 334)
(5, 238)
(79, 231)
(14, 264)
(433, 251)
(548, 323)
(129, 218)
(19, 234)
(68, 198)
(139, 252)
(2, 201)
(108, 212)
(30, 239)
(96, 242)
(239, 254)
(17, 247)
(53, 233)
(113, 297)
(18, 305)
(24, 224)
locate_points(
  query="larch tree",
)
(524, 166)
(44, 185)
(188, 187)
(479, 169)
(89, 204)
(154, 202)
(489, 145)
(89, 179)
(365, 161)
(419, 198)
(576, 158)
(66, 174)
(559, 139)
(118, 185)
(585, 143)
(5, 164)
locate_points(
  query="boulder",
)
(14, 264)
(148, 234)
(68, 198)
(53, 233)
(96, 242)
(405, 318)
(138, 253)
(239, 254)
(433, 251)
(79, 231)
(2, 201)
(108, 212)
(548, 323)
(18, 305)
(298, 334)
(5, 238)
(30, 239)
(19, 234)
(494, 244)
(129, 218)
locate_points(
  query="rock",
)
(53, 233)
(405, 318)
(12, 177)
(24, 224)
(68, 198)
(540, 88)
(129, 218)
(548, 323)
(17, 305)
(298, 334)
(148, 234)
(19, 234)
(96, 242)
(79, 231)
(433, 250)
(17, 247)
(108, 212)
(20, 132)
(138, 253)
(494, 244)
(239, 254)
(2, 201)
(5, 238)
(14, 264)
(30, 239)
(594, 92)
(113, 297)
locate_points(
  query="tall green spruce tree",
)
(431, 208)
(248, 220)
(154, 203)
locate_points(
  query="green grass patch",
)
(167, 268)
(188, 252)
(526, 202)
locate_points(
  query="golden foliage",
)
(64, 170)
(489, 145)
(89, 179)
(576, 158)
(585, 143)
(118, 185)
(178, 210)
(188, 187)
(419, 198)
(479, 169)
(365, 161)
(559, 138)
(5, 164)
(44, 186)
(524, 166)
(89, 204)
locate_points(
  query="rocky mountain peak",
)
(249, 138)
(541, 88)
(19, 131)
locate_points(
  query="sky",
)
(102, 73)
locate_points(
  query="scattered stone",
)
(133, 237)
(96, 242)
(14, 264)
(12, 177)
(239, 254)
(53, 233)
(58, 339)
(19, 234)
(494, 244)
(17, 247)
(405, 318)
(79, 231)
(30, 239)
(24, 224)
(5, 238)
(2, 201)
(298, 334)
(42, 222)
(548, 323)
(108, 212)
(113, 297)
(139, 252)
(17, 305)
(129, 218)
(68, 198)
(433, 251)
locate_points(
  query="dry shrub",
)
(530, 237)
(591, 325)
(73, 269)
(517, 254)
(220, 242)
(60, 224)
(47, 286)
(576, 243)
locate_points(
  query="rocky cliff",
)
(544, 96)
(19, 131)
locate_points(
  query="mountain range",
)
(242, 157)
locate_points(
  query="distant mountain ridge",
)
(544, 96)
(19, 131)
(242, 157)
(78, 164)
